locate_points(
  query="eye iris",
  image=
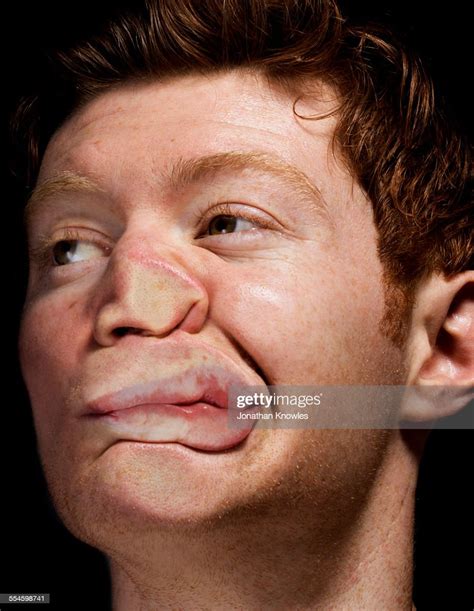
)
(63, 250)
(222, 224)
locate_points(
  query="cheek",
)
(304, 326)
(50, 342)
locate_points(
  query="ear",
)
(440, 348)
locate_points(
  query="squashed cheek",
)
(305, 328)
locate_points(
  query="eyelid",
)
(204, 215)
(41, 254)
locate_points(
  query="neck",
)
(281, 561)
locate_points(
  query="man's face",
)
(152, 294)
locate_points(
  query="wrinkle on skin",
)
(298, 305)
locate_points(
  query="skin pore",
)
(293, 294)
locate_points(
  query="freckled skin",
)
(305, 309)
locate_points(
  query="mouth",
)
(199, 425)
(188, 406)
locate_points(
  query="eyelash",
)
(204, 215)
(43, 253)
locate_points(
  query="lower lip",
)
(198, 425)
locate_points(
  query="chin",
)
(135, 487)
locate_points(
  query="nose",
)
(147, 291)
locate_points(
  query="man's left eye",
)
(226, 223)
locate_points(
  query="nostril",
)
(121, 331)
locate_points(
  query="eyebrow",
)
(61, 184)
(185, 172)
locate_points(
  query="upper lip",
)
(208, 381)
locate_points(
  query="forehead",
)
(192, 115)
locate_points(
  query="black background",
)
(37, 554)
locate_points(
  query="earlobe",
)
(441, 348)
